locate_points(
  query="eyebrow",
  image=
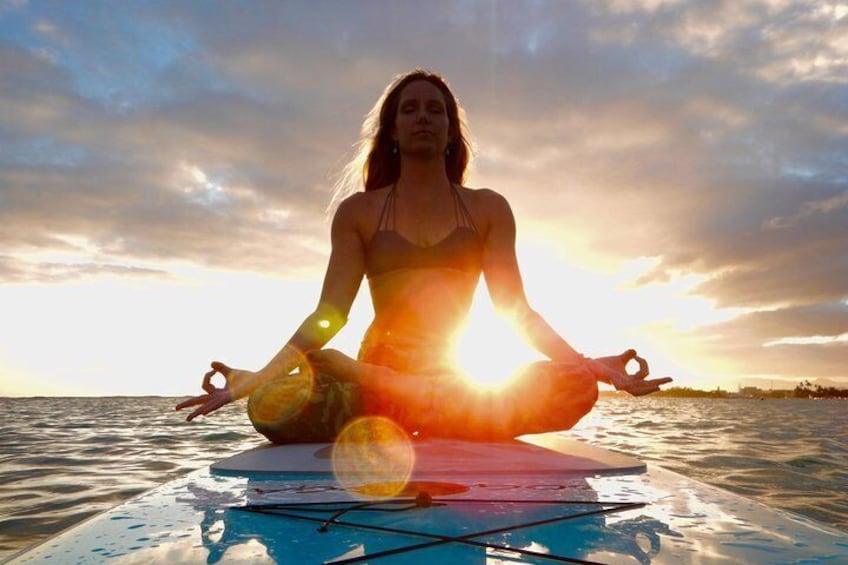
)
(428, 101)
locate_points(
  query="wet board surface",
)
(520, 508)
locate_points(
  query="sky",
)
(678, 172)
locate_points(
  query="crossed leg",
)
(543, 396)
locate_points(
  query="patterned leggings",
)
(543, 396)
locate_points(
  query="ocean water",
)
(64, 459)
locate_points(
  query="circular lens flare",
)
(373, 457)
(280, 400)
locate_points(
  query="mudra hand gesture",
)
(236, 380)
(613, 370)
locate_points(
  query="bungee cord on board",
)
(300, 511)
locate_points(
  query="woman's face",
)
(421, 124)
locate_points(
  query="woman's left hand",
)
(613, 370)
(238, 384)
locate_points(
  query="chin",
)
(423, 151)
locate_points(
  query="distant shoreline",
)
(799, 392)
(804, 391)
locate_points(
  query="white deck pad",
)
(530, 454)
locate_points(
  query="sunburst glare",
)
(488, 350)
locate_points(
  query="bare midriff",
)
(417, 314)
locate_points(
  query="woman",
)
(423, 240)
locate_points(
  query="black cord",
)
(426, 500)
(468, 538)
(422, 500)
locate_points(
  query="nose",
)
(422, 116)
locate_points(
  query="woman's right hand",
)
(237, 383)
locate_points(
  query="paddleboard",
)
(538, 499)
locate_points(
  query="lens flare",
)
(373, 457)
(280, 400)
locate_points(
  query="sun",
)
(488, 349)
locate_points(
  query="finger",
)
(194, 401)
(643, 371)
(643, 390)
(221, 368)
(207, 382)
(195, 414)
(627, 355)
(213, 404)
(217, 367)
(647, 387)
(662, 381)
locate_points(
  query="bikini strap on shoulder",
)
(387, 203)
(463, 210)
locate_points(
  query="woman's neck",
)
(423, 180)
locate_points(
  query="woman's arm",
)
(341, 283)
(503, 279)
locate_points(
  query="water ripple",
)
(64, 459)
(790, 454)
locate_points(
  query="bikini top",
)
(389, 251)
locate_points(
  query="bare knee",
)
(591, 396)
(584, 388)
(576, 392)
(587, 383)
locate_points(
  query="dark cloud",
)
(701, 161)
(826, 319)
(711, 136)
(794, 362)
(803, 342)
(128, 183)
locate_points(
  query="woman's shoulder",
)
(481, 193)
(361, 209)
(363, 201)
(485, 200)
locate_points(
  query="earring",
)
(447, 151)
(395, 148)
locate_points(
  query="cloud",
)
(808, 210)
(73, 167)
(712, 136)
(782, 42)
(758, 328)
(802, 342)
(697, 159)
(13, 270)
